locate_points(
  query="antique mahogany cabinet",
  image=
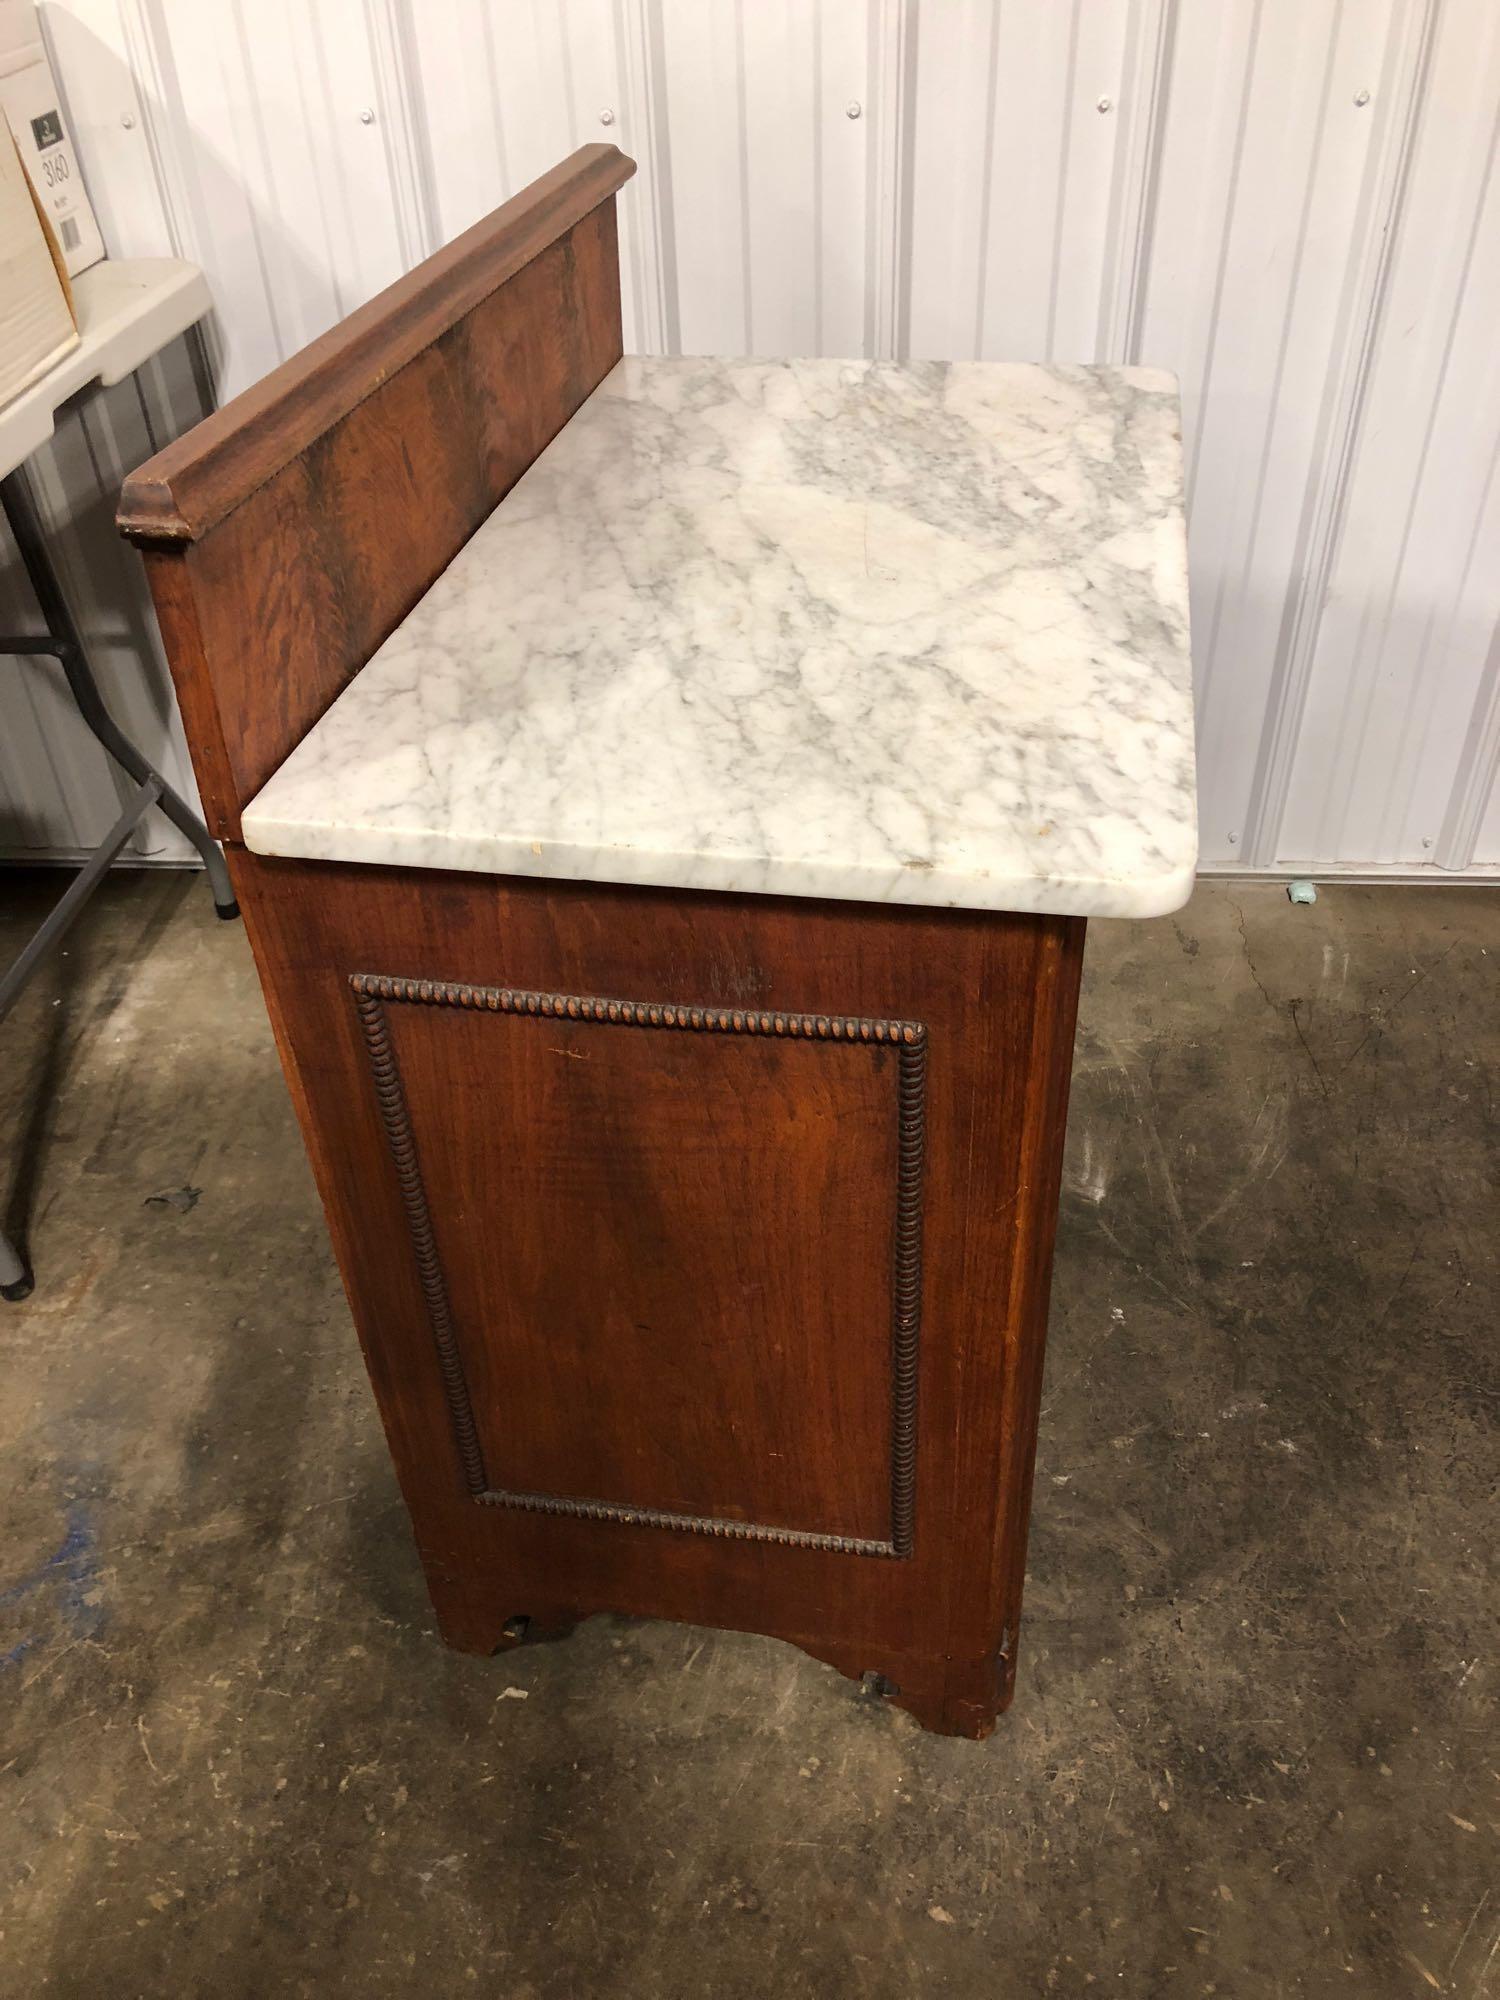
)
(668, 883)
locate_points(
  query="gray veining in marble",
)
(909, 633)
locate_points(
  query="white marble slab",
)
(908, 633)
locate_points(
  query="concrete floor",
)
(1254, 1749)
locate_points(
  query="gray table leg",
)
(66, 909)
(64, 644)
(15, 1279)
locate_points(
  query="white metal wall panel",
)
(1487, 844)
(1290, 202)
(769, 173)
(1261, 267)
(1014, 169)
(1403, 663)
(270, 107)
(503, 89)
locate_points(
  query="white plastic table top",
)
(128, 309)
(896, 633)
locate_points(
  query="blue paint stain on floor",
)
(66, 1581)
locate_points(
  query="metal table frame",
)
(63, 643)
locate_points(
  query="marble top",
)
(891, 633)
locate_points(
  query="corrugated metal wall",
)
(1290, 202)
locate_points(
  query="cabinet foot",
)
(947, 1697)
(485, 1629)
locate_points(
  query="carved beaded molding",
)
(374, 991)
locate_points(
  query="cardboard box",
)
(37, 327)
(30, 101)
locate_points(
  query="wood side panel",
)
(171, 586)
(270, 614)
(633, 1219)
(992, 1052)
(1001, 1395)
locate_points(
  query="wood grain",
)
(561, 1107)
(698, 1245)
(305, 535)
(190, 485)
(670, 1258)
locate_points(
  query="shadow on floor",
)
(1252, 1749)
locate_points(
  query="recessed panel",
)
(670, 1258)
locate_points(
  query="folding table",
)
(127, 310)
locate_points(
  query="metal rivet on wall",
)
(853, 108)
(127, 121)
(1361, 98)
(1234, 840)
(367, 116)
(1105, 104)
(606, 116)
